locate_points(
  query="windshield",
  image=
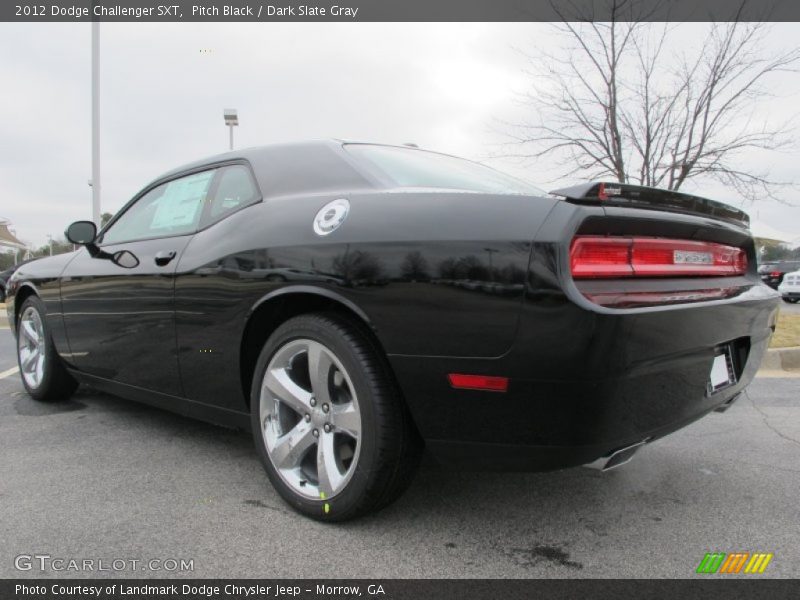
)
(410, 167)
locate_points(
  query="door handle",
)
(163, 257)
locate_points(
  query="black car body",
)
(4, 277)
(772, 273)
(502, 357)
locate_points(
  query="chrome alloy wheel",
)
(310, 418)
(31, 347)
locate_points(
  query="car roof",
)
(291, 168)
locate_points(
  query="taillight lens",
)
(610, 257)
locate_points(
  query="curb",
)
(781, 359)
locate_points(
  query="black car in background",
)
(772, 273)
(352, 303)
(6, 275)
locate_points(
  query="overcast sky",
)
(446, 87)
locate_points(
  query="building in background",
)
(8, 239)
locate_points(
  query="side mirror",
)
(85, 233)
(81, 232)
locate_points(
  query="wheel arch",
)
(269, 312)
(24, 291)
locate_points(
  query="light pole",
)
(231, 120)
(95, 182)
(50, 241)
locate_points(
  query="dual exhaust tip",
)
(624, 455)
(617, 458)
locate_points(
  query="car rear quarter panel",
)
(435, 274)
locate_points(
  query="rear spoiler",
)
(637, 196)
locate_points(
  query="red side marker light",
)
(478, 382)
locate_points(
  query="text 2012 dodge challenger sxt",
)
(351, 303)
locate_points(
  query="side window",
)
(173, 208)
(235, 189)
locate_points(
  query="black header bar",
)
(398, 10)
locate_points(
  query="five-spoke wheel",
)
(311, 419)
(329, 425)
(43, 374)
(31, 347)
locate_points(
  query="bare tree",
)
(414, 267)
(617, 103)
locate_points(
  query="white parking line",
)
(8, 372)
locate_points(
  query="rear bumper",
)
(583, 384)
(519, 457)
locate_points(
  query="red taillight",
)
(478, 382)
(600, 257)
(775, 274)
(609, 257)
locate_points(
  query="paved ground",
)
(792, 309)
(99, 477)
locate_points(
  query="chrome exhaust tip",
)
(617, 458)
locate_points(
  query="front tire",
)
(42, 371)
(332, 432)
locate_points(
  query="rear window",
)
(410, 167)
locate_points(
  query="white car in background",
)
(790, 287)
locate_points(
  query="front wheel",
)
(329, 425)
(43, 374)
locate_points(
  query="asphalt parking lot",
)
(792, 309)
(100, 477)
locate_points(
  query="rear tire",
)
(331, 430)
(42, 372)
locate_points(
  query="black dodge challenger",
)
(352, 303)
